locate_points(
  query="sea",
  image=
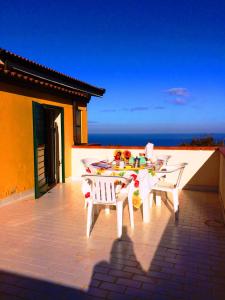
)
(141, 139)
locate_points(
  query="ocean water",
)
(165, 139)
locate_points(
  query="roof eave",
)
(23, 65)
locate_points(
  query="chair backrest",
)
(103, 188)
(87, 161)
(163, 158)
(178, 168)
(87, 164)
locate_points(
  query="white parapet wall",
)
(201, 173)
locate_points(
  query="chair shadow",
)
(167, 202)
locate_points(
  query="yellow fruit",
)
(136, 200)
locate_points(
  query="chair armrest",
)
(171, 168)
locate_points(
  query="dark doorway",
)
(48, 147)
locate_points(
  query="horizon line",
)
(205, 133)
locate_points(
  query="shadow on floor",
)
(15, 287)
(185, 266)
(102, 284)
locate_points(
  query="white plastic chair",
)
(163, 158)
(88, 161)
(103, 192)
(164, 186)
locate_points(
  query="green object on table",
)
(121, 174)
(152, 172)
(131, 160)
(142, 160)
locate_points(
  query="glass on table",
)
(122, 164)
(158, 165)
(149, 163)
(113, 163)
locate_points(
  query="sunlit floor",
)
(44, 252)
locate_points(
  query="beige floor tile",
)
(43, 243)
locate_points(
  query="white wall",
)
(202, 171)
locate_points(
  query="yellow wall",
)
(16, 142)
(84, 124)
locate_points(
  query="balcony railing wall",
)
(201, 173)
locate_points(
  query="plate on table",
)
(101, 164)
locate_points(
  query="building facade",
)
(42, 114)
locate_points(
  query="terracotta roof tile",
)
(6, 55)
(39, 82)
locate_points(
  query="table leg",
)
(151, 199)
(107, 210)
(158, 199)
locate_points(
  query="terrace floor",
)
(44, 252)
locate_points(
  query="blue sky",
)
(162, 62)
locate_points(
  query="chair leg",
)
(175, 201)
(131, 212)
(89, 218)
(85, 203)
(107, 210)
(158, 199)
(165, 196)
(96, 209)
(150, 199)
(119, 211)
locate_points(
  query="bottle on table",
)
(136, 162)
(131, 161)
(122, 164)
(139, 162)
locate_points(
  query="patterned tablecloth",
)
(144, 178)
